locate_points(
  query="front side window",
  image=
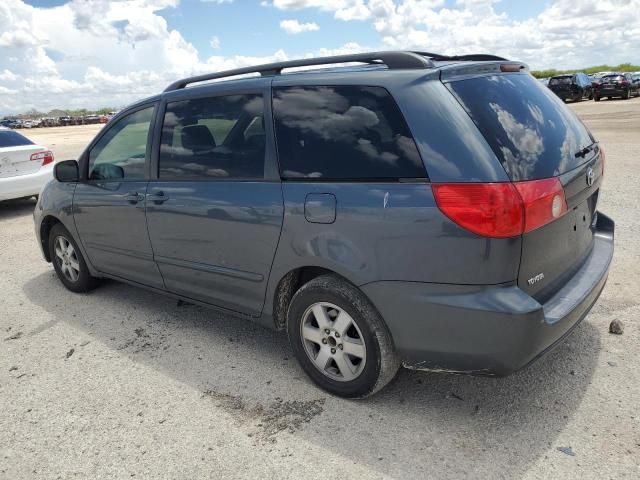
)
(342, 133)
(213, 138)
(121, 152)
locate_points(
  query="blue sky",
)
(91, 53)
(244, 27)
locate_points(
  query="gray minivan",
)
(405, 208)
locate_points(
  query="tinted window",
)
(612, 78)
(346, 132)
(531, 131)
(120, 153)
(9, 138)
(560, 81)
(216, 137)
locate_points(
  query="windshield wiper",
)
(584, 151)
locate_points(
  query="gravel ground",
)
(122, 383)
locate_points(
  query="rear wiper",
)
(584, 151)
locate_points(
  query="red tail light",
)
(543, 202)
(501, 210)
(46, 157)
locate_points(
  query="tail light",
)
(45, 157)
(501, 210)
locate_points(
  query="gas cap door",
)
(320, 208)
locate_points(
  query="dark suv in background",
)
(571, 87)
(420, 210)
(616, 85)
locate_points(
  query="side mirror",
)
(66, 171)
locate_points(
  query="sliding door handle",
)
(133, 197)
(158, 197)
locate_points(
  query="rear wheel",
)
(339, 338)
(627, 95)
(596, 98)
(68, 261)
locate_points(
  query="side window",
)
(212, 138)
(343, 132)
(121, 152)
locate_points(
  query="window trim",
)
(424, 179)
(86, 156)
(269, 154)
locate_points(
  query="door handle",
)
(158, 197)
(133, 197)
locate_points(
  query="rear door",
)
(535, 136)
(214, 208)
(109, 203)
(15, 154)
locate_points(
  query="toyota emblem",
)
(591, 176)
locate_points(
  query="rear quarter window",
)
(9, 138)
(343, 133)
(533, 134)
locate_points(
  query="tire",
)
(596, 98)
(69, 265)
(627, 95)
(332, 303)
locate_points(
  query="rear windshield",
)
(560, 81)
(533, 134)
(9, 138)
(612, 78)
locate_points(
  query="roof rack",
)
(393, 60)
(474, 57)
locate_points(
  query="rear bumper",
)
(488, 330)
(25, 185)
(614, 92)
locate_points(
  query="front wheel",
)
(68, 261)
(339, 338)
(627, 95)
(596, 98)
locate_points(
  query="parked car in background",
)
(24, 166)
(616, 85)
(573, 87)
(385, 214)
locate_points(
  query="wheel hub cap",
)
(333, 341)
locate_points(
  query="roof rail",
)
(473, 57)
(393, 60)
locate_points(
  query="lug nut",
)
(327, 331)
(324, 340)
(333, 350)
(337, 335)
(340, 346)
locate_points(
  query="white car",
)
(24, 166)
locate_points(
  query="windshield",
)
(530, 130)
(612, 78)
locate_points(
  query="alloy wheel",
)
(333, 341)
(67, 259)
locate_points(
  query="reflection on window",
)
(343, 133)
(213, 138)
(532, 133)
(120, 153)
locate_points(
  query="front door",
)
(214, 215)
(109, 206)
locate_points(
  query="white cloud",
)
(343, 9)
(214, 42)
(294, 26)
(92, 53)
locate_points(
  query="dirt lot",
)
(122, 382)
